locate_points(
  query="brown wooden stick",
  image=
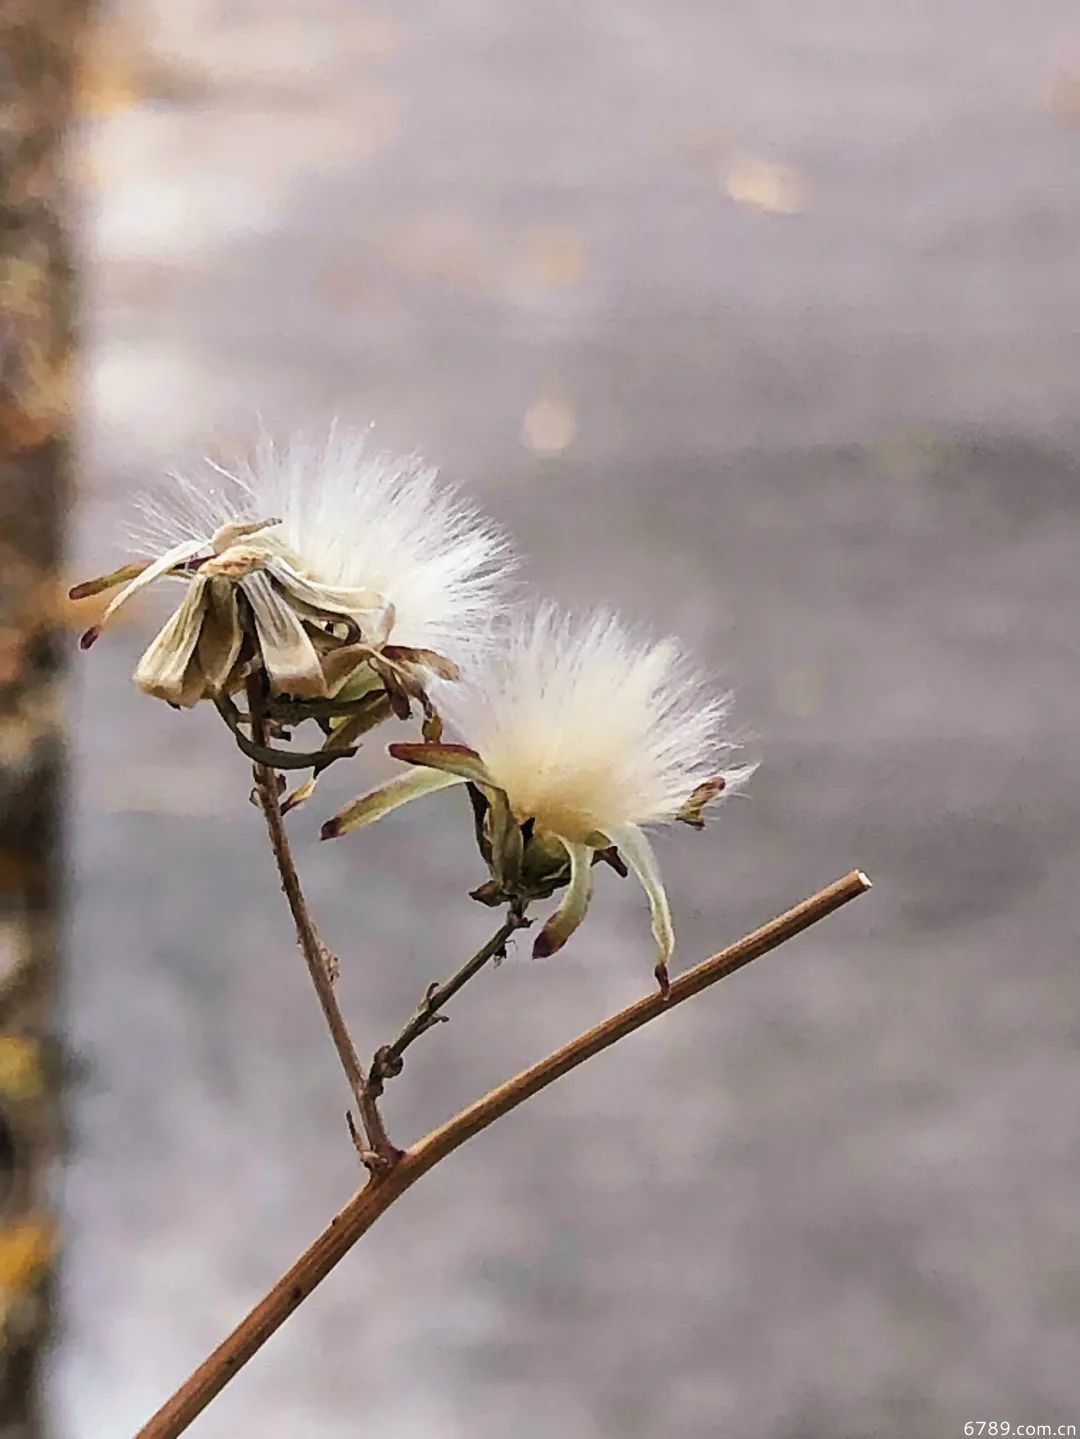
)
(376, 1149)
(382, 1190)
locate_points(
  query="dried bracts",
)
(580, 734)
(340, 581)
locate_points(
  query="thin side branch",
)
(387, 1063)
(376, 1149)
(382, 1190)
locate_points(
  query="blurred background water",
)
(761, 321)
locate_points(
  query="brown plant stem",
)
(375, 1148)
(383, 1189)
(387, 1063)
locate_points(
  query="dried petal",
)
(638, 853)
(351, 603)
(288, 655)
(163, 669)
(575, 903)
(222, 636)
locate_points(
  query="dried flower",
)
(579, 734)
(307, 562)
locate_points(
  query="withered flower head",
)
(579, 734)
(331, 569)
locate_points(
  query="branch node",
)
(376, 1164)
(386, 1064)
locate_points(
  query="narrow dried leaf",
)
(361, 683)
(282, 758)
(396, 692)
(300, 795)
(340, 665)
(507, 843)
(170, 560)
(478, 802)
(390, 796)
(228, 535)
(428, 659)
(456, 759)
(339, 745)
(122, 576)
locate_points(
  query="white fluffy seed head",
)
(588, 726)
(354, 518)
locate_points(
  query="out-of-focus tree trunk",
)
(39, 42)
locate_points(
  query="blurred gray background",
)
(761, 321)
